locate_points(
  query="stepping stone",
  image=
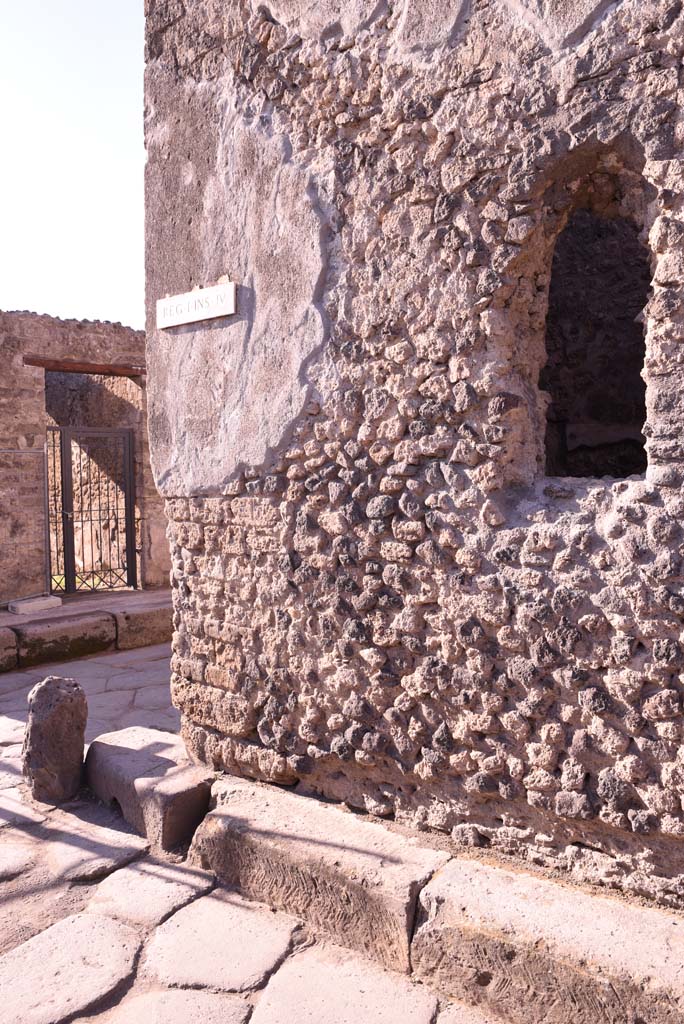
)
(148, 891)
(150, 776)
(16, 810)
(15, 858)
(179, 1008)
(346, 876)
(334, 986)
(83, 851)
(220, 942)
(53, 741)
(530, 950)
(66, 969)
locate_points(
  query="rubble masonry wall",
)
(379, 593)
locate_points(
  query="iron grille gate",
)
(91, 505)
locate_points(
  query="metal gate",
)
(91, 505)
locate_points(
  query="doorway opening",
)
(91, 507)
(600, 283)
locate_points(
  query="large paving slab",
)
(148, 773)
(333, 986)
(16, 857)
(147, 892)
(348, 877)
(175, 1007)
(88, 844)
(219, 942)
(535, 951)
(17, 809)
(11, 774)
(66, 969)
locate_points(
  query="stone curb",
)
(39, 641)
(513, 944)
(532, 950)
(147, 772)
(344, 875)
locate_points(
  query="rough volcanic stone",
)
(66, 969)
(53, 742)
(148, 891)
(518, 944)
(75, 636)
(348, 877)
(190, 1007)
(221, 942)
(8, 650)
(148, 773)
(332, 986)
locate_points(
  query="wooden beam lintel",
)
(78, 366)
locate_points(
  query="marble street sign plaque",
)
(202, 304)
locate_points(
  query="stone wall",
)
(379, 594)
(32, 399)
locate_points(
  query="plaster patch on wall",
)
(430, 23)
(249, 369)
(317, 18)
(562, 22)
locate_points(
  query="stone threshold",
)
(514, 944)
(86, 625)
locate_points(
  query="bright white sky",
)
(72, 158)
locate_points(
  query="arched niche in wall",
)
(575, 321)
(595, 347)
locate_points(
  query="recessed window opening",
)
(600, 282)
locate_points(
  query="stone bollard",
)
(53, 741)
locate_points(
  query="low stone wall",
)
(378, 591)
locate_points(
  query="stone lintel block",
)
(148, 773)
(143, 628)
(530, 950)
(9, 655)
(70, 637)
(33, 605)
(348, 877)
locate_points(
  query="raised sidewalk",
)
(85, 624)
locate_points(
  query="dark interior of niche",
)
(600, 283)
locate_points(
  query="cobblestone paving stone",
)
(79, 892)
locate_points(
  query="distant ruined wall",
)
(32, 399)
(378, 592)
